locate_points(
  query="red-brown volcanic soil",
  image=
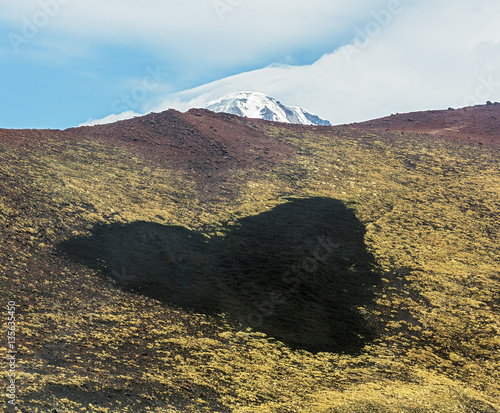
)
(478, 125)
(199, 142)
(198, 139)
(207, 143)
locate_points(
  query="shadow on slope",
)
(297, 272)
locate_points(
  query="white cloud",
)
(111, 118)
(423, 54)
(195, 30)
(429, 56)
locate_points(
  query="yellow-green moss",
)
(432, 215)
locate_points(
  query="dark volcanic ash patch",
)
(298, 272)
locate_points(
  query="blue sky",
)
(66, 62)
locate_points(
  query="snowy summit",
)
(260, 106)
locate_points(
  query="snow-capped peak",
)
(260, 106)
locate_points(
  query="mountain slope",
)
(200, 261)
(260, 106)
(471, 125)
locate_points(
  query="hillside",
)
(200, 261)
(472, 125)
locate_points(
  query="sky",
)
(70, 62)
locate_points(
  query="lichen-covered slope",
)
(149, 280)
